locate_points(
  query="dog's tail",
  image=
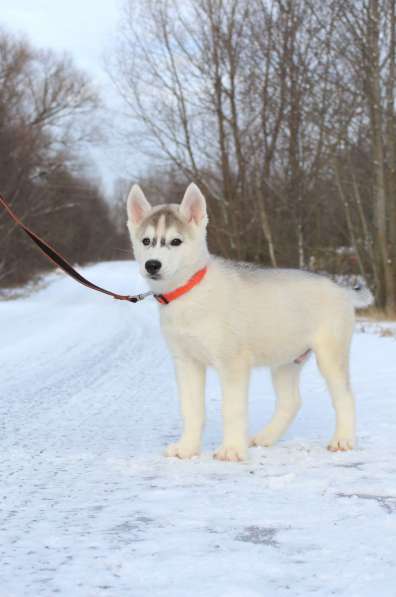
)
(361, 296)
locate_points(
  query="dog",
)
(233, 317)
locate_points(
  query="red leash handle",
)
(61, 262)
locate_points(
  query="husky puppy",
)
(233, 317)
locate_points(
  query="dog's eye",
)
(176, 242)
(146, 241)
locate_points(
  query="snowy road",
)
(90, 508)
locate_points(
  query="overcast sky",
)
(84, 28)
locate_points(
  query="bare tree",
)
(46, 114)
(278, 109)
(369, 66)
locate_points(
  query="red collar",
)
(164, 299)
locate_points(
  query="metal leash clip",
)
(140, 297)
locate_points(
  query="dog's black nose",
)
(153, 266)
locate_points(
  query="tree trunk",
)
(387, 292)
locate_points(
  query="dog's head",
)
(169, 241)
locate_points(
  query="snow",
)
(89, 507)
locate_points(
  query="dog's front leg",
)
(235, 383)
(191, 384)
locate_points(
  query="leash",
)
(61, 262)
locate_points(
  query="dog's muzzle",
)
(153, 266)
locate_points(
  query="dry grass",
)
(36, 284)
(387, 333)
(376, 314)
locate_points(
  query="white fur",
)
(239, 317)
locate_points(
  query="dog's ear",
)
(193, 206)
(137, 205)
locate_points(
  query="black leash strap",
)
(61, 262)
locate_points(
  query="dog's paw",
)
(340, 443)
(231, 453)
(182, 450)
(264, 440)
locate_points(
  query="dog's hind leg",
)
(285, 380)
(333, 362)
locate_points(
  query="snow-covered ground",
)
(90, 508)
